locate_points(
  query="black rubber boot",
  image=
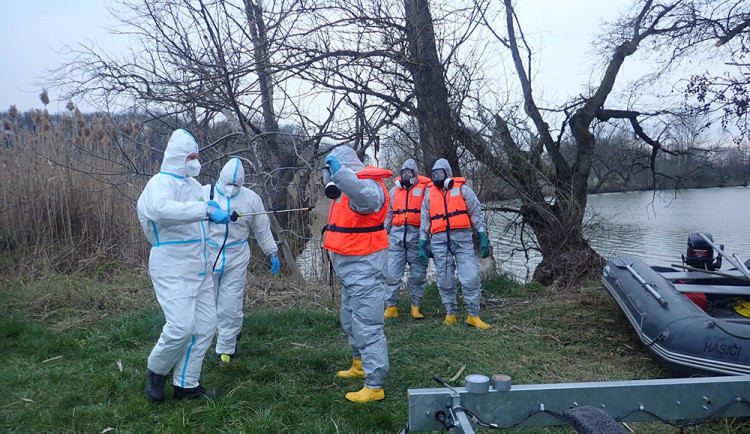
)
(155, 386)
(193, 393)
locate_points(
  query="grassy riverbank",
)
(75, 349)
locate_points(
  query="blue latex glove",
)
(333, 163)
(220, 216)
(423, 253)
(275, 265)
(484, 245)
(213, 203)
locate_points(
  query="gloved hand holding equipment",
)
(213, 203)
(484, 245)
(219, 216)
(333, 163)
(423, 258)
(275, 264)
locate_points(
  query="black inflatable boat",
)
(692, 322)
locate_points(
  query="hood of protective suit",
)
(180, 145)
(411, 164)
(442, 163)
(232, 173)
(348, 158)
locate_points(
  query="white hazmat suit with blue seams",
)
(229, 275)
(173, 217)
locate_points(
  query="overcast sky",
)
(33, 31)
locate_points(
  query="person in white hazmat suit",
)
(449, 210)
(356, 235)
(173, 216)
(402, 223)
(230, 251)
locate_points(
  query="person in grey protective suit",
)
(356, 235)
(172, 214)
(449, 210)
(402, 223)
(230, 251)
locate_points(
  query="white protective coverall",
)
(362, 277)
(461, 248)
(404, 248)
(173, 216)
(229, 276)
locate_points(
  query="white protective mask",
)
(231, 189)
(193, 168)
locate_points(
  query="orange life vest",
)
(407, 203)
(354, 234)
(448, 208)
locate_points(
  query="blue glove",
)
(423, 253)
(275, 265)
(333, 163)
(213, 203)
(484, 245)
(220, 216)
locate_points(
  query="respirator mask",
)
(192, 168)
(407, 179)
(331, 191)
(231, 189)
(441, 179)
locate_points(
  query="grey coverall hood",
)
(348, 158)
(442, 163)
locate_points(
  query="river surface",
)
(653, 226)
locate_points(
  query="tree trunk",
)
(433, 112)
(279, 159)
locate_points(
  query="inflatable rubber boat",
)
(692, 321)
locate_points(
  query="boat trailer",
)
(594, 407)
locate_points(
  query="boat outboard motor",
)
(700, 254)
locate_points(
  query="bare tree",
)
(725, 95)
(210, 61)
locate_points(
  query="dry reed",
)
(69, 191)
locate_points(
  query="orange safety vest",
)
(448, 208)
(354, 234)
(407, 203)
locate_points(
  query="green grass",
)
(89, 376)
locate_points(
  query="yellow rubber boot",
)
(366, 395)
(450, 320)
(415, 313)
(355, 371)
(391, 312)
(474, 321)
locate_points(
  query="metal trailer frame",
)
(544, 404)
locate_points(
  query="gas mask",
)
(441, 179)
(331, 191)
(192, 168)
(407, 179)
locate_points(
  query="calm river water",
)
(652, 226)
